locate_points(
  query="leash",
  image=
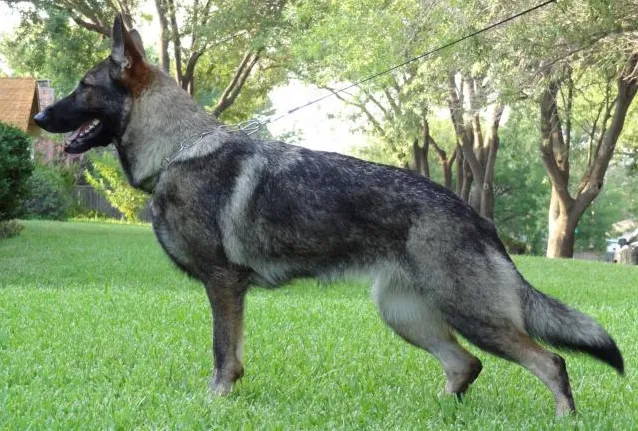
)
(252, 126)
(272, 119)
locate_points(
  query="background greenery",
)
(239, 53)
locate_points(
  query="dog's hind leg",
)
(508, 342)
(411, 317)
(226, 291)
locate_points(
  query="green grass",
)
(99, 331)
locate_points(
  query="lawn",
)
(99, 331)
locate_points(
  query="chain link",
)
(249, 127)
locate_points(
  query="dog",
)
(233, 211)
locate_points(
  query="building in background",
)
(19, 103)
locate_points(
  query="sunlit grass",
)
(99, 331)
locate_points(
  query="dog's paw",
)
(219, 387)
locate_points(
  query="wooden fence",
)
(89, 198)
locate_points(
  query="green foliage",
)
(106, 176)
(521, 184)
(523, 190)
(15, 168)
(49, 194)
(53, 48)
(10, 228)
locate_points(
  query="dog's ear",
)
(127, 47)
(137, 41)
(127, 55)
(117, 47)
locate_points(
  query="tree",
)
(49, 196)
(566, 208)
(195, 30)
(359, 40)
(582, 53)
(41, 48)
(479, 149)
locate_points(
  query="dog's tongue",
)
(78, 132)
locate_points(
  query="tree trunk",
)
(416, 156)
(177, 40)
(476, 195)
(420, 163)
(479, 152)
(466, 185)
(164, 59)
(562, 237)
(426, 147)
(458, 164)
(446, 164)
(493, 142)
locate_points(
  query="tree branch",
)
(465, 141)
(371, 118)
(177, 43)
(379, 105)
(232, 90)
(165, 61)
(627, 84)
(548, 131)
(91, 26)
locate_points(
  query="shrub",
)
(15, 168)
(514, 246)
(10, 228)
(49, 195)
(106, 176)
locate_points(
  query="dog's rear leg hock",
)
(409, 315)
(227, 303)
(547, 366)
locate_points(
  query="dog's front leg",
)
(227, 303)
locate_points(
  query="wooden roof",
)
(18, 101)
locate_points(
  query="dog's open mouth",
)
(85, 137)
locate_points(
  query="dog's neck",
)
(160, 119)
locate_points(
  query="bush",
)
(106, 176)
(49, 195)
(15, 168)
(514, 246)
(10, 228)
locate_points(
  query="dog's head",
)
(97, 111)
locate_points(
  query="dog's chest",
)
(189, 238)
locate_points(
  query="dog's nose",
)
(39, 118)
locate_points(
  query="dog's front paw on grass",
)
(220, 389)
(220, 385)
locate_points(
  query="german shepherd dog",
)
(233, 211)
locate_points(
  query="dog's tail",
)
(550, 320)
